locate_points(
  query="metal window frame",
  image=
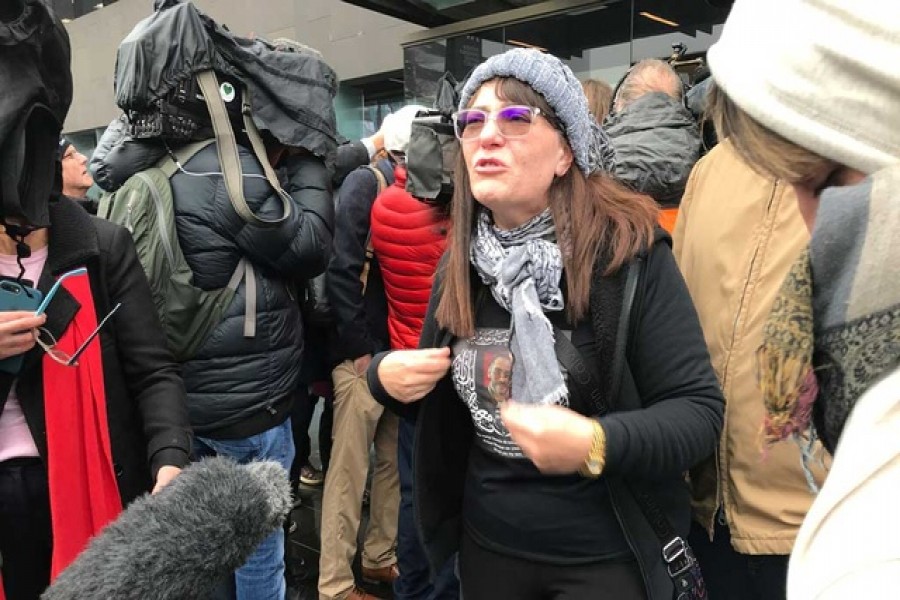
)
(503, 19)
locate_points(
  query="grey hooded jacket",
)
(657, 142)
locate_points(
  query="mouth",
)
(489, 165)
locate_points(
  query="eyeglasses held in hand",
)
(46, 341)
(512, 121)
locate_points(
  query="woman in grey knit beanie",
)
(522, 440)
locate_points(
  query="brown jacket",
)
(735, 240)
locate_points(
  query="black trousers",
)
(486, 575)
(730, 575)
(25, 534)
(301, 418)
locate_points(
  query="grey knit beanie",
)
(553, 80)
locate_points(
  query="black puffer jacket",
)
(241, 386)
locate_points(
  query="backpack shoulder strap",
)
(228, 153)
(379, 177)
(381, 181)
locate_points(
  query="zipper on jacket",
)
(160, 219)
(628, 538)
(720, 514)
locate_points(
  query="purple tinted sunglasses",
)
(512, 121)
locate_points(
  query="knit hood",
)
(657, 142)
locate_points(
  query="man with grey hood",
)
(655, 136)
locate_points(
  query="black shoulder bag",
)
(677, 554)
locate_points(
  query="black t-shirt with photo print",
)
(509, 506)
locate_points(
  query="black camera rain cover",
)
(37, 90)
(291, 93)
(433, 148)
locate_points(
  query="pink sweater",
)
(15, 437)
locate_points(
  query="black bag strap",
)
(586, 393)
(676, 552)
(586, 397)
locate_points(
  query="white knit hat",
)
(397, 126)
(824, 74)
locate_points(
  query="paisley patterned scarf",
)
(834, 330)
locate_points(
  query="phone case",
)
(14, 296)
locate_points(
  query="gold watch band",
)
(596, 458)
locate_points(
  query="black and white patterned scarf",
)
(523, 268)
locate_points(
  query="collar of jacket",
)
(72, 243)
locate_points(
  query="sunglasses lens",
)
(469, 123)
(515, 121)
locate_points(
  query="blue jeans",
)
(415, 581)
(262, 576)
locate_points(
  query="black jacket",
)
(240, 386)
(145, 400)
(360, 319)
(650, 446)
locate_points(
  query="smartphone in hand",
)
(16, 296)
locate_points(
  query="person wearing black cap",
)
(76, 180)
(92, 409)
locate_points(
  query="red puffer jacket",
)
(408, 237)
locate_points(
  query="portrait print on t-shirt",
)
(482, 374)
(496, 372)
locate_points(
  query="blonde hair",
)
(599, 97)
(767, 152)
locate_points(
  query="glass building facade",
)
(597, 40)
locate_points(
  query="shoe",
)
(360, 594)
(309, 475)
(381, 575)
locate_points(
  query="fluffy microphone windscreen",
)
(180, 543)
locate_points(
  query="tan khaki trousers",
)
(359, 421)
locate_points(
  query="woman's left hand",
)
(555, 438)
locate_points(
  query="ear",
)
(565, 161)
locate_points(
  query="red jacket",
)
(409, 237)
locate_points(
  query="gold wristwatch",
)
(596, 458)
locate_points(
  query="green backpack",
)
(144, 205)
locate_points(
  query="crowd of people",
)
(625, 360)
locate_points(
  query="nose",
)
(490, 133)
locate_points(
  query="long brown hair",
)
(765, 151)
(593, 215)
(599, 97)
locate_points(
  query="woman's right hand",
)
(407, 375)
(18, 331)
